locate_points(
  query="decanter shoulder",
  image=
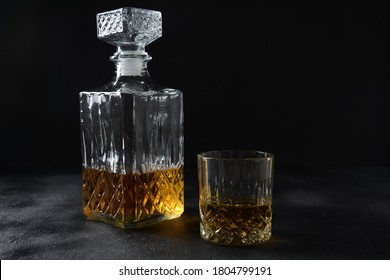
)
(133, 87)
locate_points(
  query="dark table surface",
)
(319, 213)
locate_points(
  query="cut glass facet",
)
(129, 25)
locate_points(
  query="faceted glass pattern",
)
(132, 147)
(129, 25)
(130, 200)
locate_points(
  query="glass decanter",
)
(132, 131)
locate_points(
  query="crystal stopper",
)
(127, 26)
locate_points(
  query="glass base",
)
(233, 238)
(139, 224)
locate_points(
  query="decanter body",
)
(132, 132)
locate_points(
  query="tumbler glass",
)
(235, 196)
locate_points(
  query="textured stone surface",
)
(319, 213)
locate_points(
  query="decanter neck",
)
(130, 61)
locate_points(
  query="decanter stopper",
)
(129, 28)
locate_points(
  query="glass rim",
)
(217, 155)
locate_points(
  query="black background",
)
(307, 83)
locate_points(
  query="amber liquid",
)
(133, 200)
(242, 223)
